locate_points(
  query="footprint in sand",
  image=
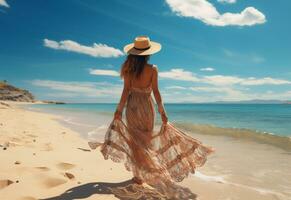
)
(31, 135)
(44, 169)
(4, 104)
(83, 149)
(15, 139)
(17, 162)
(13, 144)
(53, 182)
(5, 183)
(65, 166)
(47, 147)
(69, 175)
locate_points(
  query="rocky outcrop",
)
(11, 93)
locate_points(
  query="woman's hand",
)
(164, 118)
(117, 115)
(161, 108)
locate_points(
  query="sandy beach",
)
(42, 159)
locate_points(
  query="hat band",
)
(142, 48)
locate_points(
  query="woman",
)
(154, 157)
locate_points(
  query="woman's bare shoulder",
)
(152, 67)
(155, 69)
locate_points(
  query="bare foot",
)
(137, 180)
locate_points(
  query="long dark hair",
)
(134, 65)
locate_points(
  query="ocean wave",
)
(97, 132)
(221, 179)
(217, 179)
(70, 121)
(283, 142)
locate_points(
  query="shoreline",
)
(87, 128)
(44, 148)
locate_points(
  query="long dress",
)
(168, 155)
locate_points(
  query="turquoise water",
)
(269, 118)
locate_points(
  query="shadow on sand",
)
(126, 190)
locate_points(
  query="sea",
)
(274, 119)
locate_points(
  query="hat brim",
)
(155, 47)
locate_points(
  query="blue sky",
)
(71, 50)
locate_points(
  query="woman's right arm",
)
(157, 95)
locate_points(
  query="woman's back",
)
(145, 78)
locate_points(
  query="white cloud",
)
(175, 87)
(103, 72)
(264, 81)
(88, 89)
(179, 74)
(227, 93)
(4, 3)
(224, 93)
(97, 50)
(220, 80)
(206, 12)
(207, 94)
(221, 87)
(206, 89)
(84, 87)
(227, 1)
(209, 69)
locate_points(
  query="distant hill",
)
(11, 93)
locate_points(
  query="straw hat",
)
(142, 46)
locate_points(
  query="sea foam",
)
(283, 142)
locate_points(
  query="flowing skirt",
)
(165, 156)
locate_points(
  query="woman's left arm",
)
(125, 93)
